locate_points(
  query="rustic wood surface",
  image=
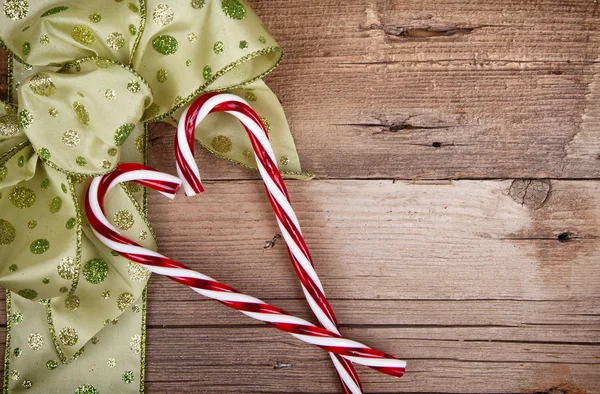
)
(455, 218)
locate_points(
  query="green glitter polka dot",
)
(86, 389)
(17, 352)
(25, 119)
(81, 113)
(188, 62)
(46, 281)
(17, 317)
(133, 7)
(70, 223)
(243, 44)
(81, 161)
(128, 377)
(151, 111)
(31, 224)
(21, 161)
(83, 35)
(51, 364)
(44, 153)
(39, 246)
(63, 188)
(132, 30)
(3, 173)
(21, 197)
(161, 75)
(165, 45)
(197, 4)
(63, 289)
(54, 10)
(113, 151)
(233, 9)
(72, 302)
(218, 47)
(55, 205)
(262, 39)
(122, 133)
(7, 232)
(45, 184)
(26, 48)
(27, 293)
(207, 72)
(53, 112)
(95, 271)
(95, 18)
(13, 268)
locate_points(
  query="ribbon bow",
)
(87, 80)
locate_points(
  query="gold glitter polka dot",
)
(15, 375)
(115, 40)
(123, 219)
(72, 302)
(233, 9)
(9, 125)
(105, 164)
(45, 281)
(137, 272)
(133, 7)
(197, 4)
(218, 47)
(133, 86)
(21, 197)
(86, 389)
(124, 300)
(35, 341)
(161, 75)
(162, 15)
(113, 151)
(135, 343)
(42, 85)
(136, 308)
(221, 144)
(143, 235)
(3, 174)
(63, 289)
(71, 138)
(192, 36)
(111, 362)
(247, 153)
(151, 111)
(51, 364)
(106, 294)
(285, 160)
(68, 336)
(55, 205)
(44, 39)
(30, 294)
(266, 124)
(95, 340)
(165, 45)
(16, 9)
(81, 113)
(7, 232)
(140, 142)
(53, 112)
(27, 384)
(83, 35)
(250, 96)
(262, 40)
(66, 268)
(16, 317)
(31, 224)
(110, 94)
(207, 72)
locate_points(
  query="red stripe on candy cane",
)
(168, 185)
(279, 198)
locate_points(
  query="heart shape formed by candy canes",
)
(328, 337)
(279, 198)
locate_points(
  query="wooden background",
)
(454, 219)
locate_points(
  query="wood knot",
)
(532, 193)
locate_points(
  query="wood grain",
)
(416, 117)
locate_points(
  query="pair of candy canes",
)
(343, 351)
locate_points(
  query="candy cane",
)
(278, 196)
(168, 185)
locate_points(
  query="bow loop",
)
(77, 119)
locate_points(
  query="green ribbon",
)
(86, 80)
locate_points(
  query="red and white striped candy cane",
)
(278, 196)
(168, 185)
